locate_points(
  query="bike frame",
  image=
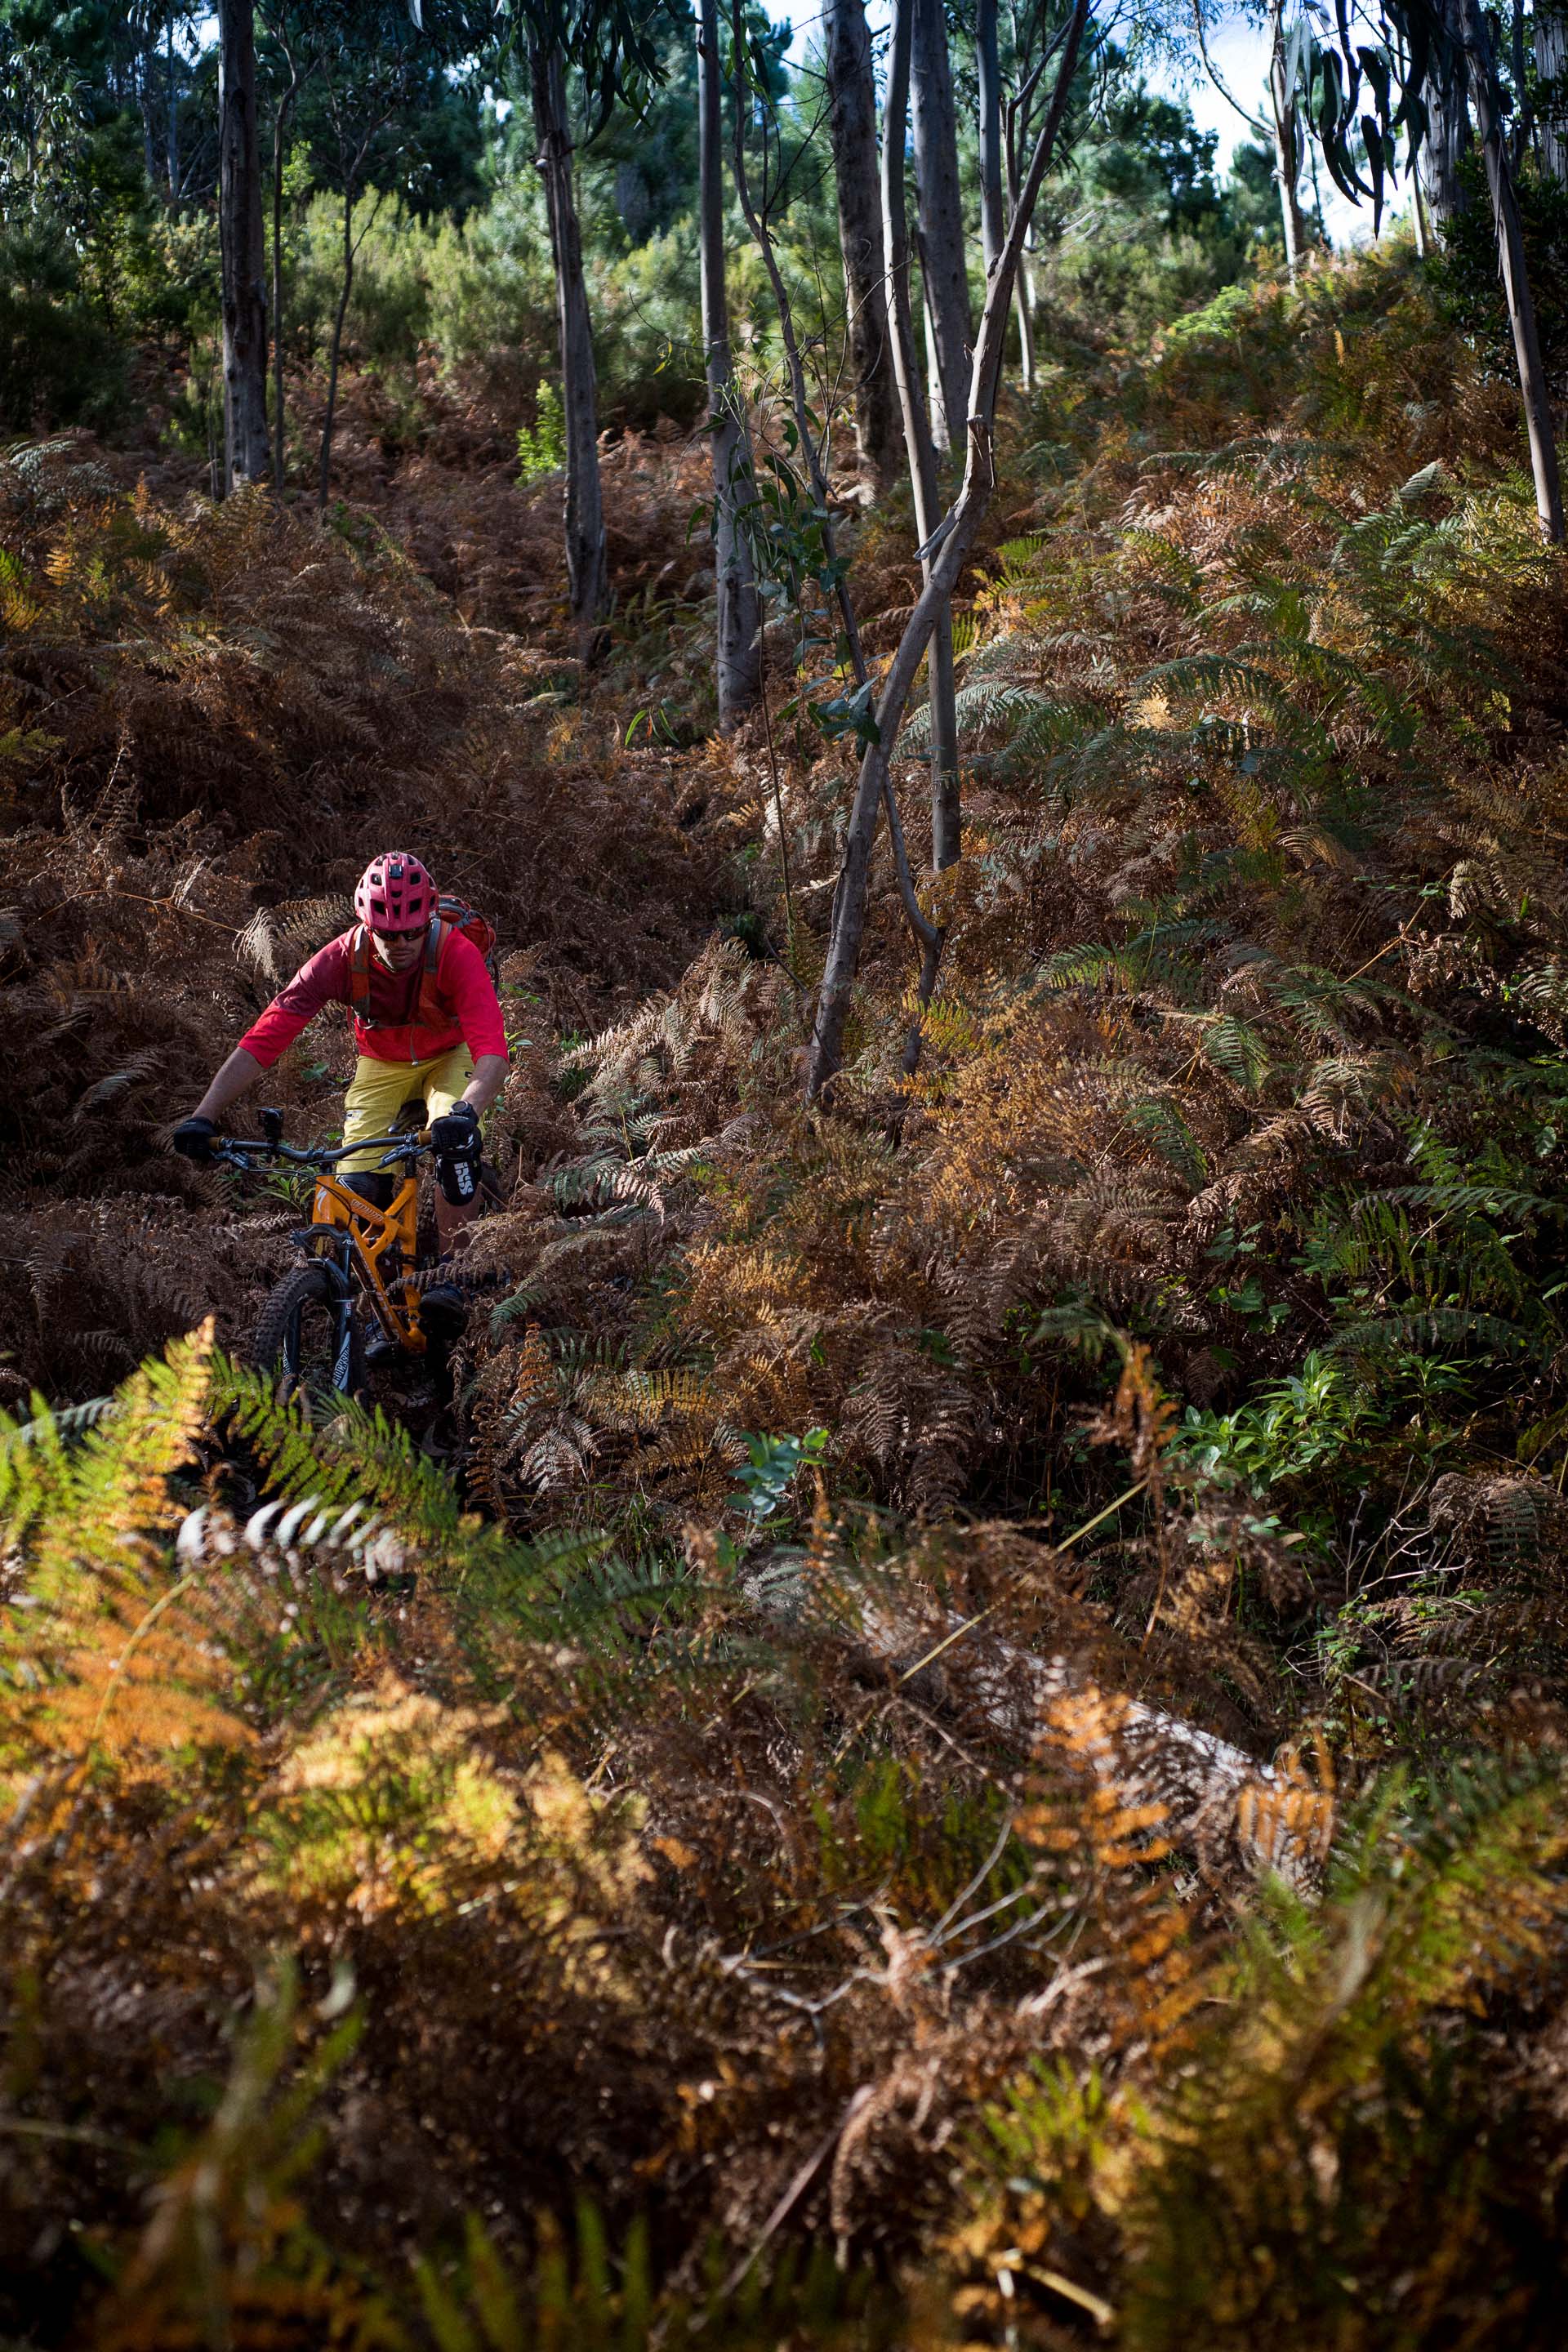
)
(372, 1243)
(369, 1249)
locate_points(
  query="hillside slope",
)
(979, 1756)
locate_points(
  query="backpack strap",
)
(428, 1011)
(435, 938)
(359, 972)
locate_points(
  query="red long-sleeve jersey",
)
(463, 988)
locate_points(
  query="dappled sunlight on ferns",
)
(971, 1748)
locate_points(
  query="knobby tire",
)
(298, 1323)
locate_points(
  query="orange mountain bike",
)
(358, 1260)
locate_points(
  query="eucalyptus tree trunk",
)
(1286, 145)
(1418, 220)
(757, 219)
(145, 60)
(1523, 123)
(1449, 125)
(1025, 302)
(1551, 86)
(988, 67)
(852, 129)
(279, 126)
(739, 652)
(242, 238)
(941, 216)
(334, 353)
(1023, 293)
(172, 128)
(824, 1055)
(587, 575)
(1484, 98)
(946, 827)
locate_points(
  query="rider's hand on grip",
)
(458, 1130)
(456, 1137)
(194, 1136)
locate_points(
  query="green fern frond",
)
(1159, 1120)
(1238, 1050)
(1477, 1199)
(360, 1457)
(1218, 675)
(1036, 721)
(1423, 1332)
(84, 1495)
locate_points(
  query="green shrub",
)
(1465, 273)
(492, 288)
(389, 310)
(1224, 314)
(61, 363)
(542, 446)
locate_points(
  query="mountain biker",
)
(418, 1031)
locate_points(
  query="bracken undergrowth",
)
(973, 1753)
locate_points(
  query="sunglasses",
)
(401, 938)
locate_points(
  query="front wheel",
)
(309, 1338)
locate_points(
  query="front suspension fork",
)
(343, 1321)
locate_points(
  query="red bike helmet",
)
(395, 893)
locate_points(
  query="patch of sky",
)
(1169, 62)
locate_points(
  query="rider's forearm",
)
(236, 1077)
(489, 1077)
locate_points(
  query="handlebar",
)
(250, 1152)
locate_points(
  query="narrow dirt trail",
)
(223, 715)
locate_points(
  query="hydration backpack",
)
(451, 914)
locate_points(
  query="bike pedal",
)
(380, 1351)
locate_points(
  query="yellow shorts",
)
(378, 1090)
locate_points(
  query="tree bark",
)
(1025, 303)
(1286, 145)
(1484, 98)
(587, 571)
(757, 222)
(936, 405)
(279, 124)
(921, 454)
(242, 234)
(941, 214)
(325, 484)
(925, 932)
(824, 1055)
(1023, 293)
(172, 129)
(1215, 1798)
(1524, 101)
(988, 67)
(737, 664)
(1449, 134)
(852, 129)
(1551, 86)
(145, 64)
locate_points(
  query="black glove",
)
(194, 1138)
(458, 1130)
(456, 1140)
